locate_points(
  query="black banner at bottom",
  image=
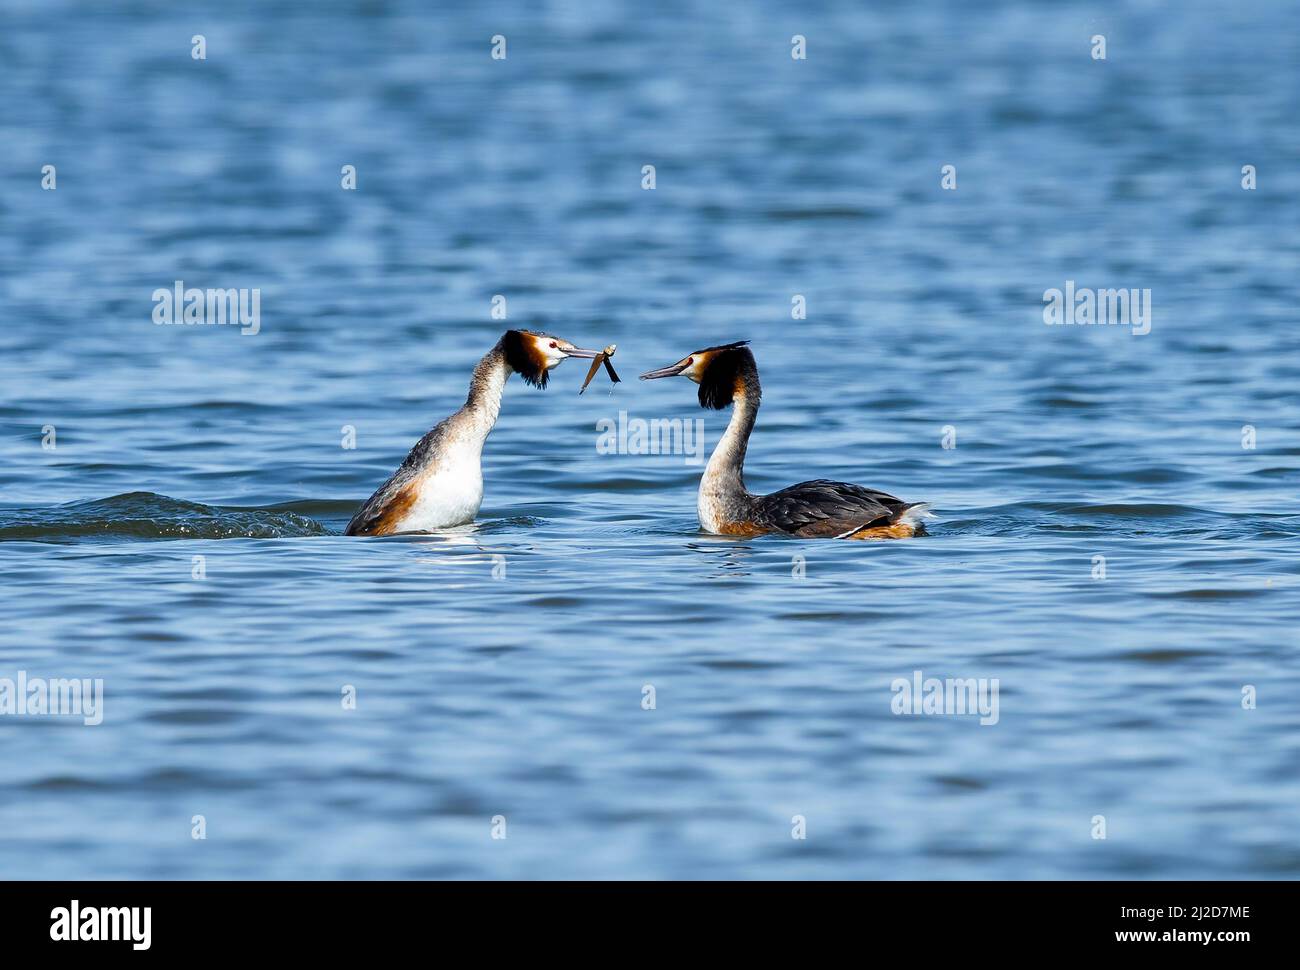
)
(333, 920)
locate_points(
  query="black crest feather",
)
(523, 357)
(726, 365)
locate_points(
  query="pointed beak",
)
(579, 352)
(671, 371)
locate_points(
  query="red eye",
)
(689, 361)
(553, 344)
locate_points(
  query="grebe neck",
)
(725, 473)
(486, 386)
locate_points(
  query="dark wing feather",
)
(389, 499)
(395, 495)
(826, 508)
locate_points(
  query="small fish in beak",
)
(602, 358)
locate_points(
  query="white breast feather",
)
(450, 495)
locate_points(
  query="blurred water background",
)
(520, 694)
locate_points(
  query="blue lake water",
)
(500, 668)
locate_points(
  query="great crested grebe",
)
(441, 482)
(727, 374)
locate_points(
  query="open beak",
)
(670, 371)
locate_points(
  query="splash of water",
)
(147, 515)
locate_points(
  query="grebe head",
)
(531, 354)
(715, 369)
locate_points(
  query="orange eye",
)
(553, 344)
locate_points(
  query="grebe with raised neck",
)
(440, 484)
(728, 375)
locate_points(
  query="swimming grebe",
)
(441, 482)
(727, 374)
